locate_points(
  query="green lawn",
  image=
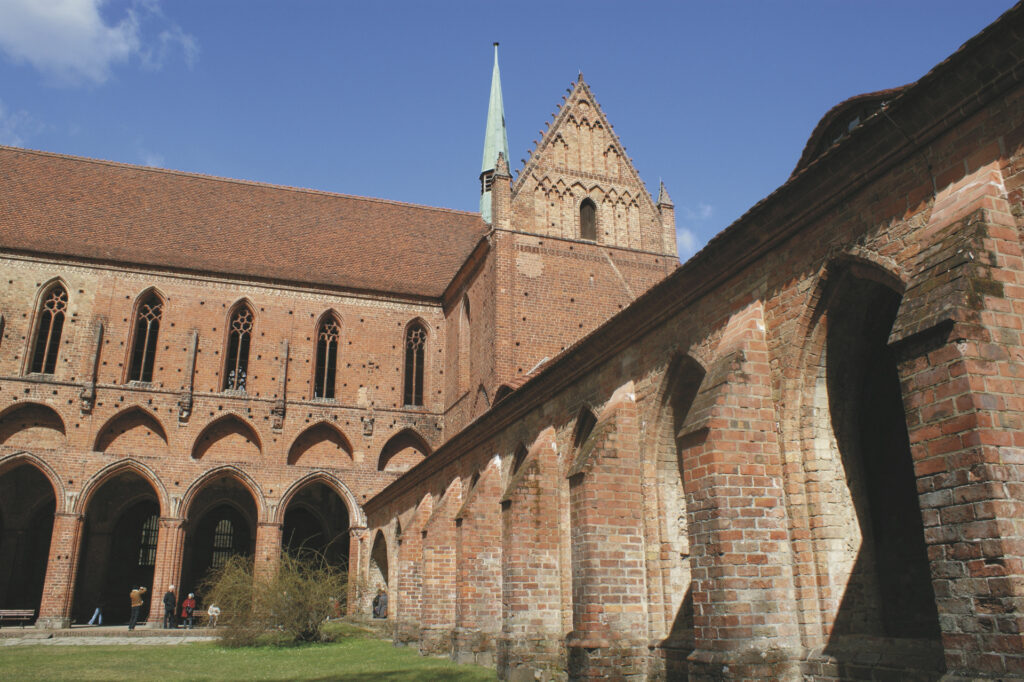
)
(353, 658)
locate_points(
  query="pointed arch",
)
(319, 444)
(327, 338)
(147, 316)
(503, 392)
(9, 462)
(403, 451)
(465, 342)
(32, 425)
(225, 471)
(134, 423)
(230, 429)
(585, 422)
(355, 512)
(50, 313)
(379, 554)
(240, 326)
(130, 466)
(415, 345)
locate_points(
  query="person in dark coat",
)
(170, 601)
(380, 604)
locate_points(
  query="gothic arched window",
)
(51, 322)
(147, 329)
(588, 220)
(415, 342)
(327, 334)
(236, 365)
(147, 541)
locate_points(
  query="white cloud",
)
(16, 127)
(70, 40)
(687, 242)
(702, 212)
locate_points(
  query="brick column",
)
(356, 587)
(268, 549)
(741, 563)
(532, 640)
(408, 595)
(478, 566)
(609, 616)
(438, 614)
(59, 585)
(170, 547)
(961, 353)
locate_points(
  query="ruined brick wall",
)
(826, 407)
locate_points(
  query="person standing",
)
(188, 609)
(170, 601)
(136, 599)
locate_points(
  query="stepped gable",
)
(578, 157)
(98, 210)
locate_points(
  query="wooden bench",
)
(17, 614)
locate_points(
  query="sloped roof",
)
(99, 210)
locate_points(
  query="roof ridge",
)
(236, 181)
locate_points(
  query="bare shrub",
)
(288, 607)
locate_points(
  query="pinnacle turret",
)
(495, 140)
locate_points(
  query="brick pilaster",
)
(609, 637)
(170, 546)
(58, 588)
(268, 549)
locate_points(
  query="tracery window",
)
(48, 330)
(237, 362)
(327, 335)
(588, 220)
(223, 542)
(147, 543)
(415, 343)
(147, 329)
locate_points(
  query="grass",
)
(355, 657)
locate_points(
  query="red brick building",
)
(798, 455)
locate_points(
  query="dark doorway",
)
(317, 521)
(221, 523)
(118, 547)
(889, 592)
(27, 505)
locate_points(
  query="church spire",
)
(495, 140)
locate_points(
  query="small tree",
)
(287, 608)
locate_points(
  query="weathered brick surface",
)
(806, 457)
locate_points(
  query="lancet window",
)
(588, 220)
(147, 543)
(48, 330)
(223, 542)
(327, 334)
(415, 343)
(239, 336)
(147, 330)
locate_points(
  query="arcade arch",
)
(27, 505)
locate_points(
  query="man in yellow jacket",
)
(136, 597)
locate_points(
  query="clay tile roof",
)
(99, 210)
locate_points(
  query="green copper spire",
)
(495, 140)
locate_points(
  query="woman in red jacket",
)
(188, 608)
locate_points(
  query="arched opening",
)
(227, 439)
(134, 431)
(860, 426)
(328, 334)
(27, 505)
(145, 337)
(236, 356)
(321, 445)
(465, 343)
(588, 220)
(316, 521)
(415, 352)
(674, 441)
(519, 458)
(53, 309)
(503, 392)
(220, 523)
(118, 546)
(402, 452)
(377, 578)
(585, 422)
(33, 427)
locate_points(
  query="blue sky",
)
(388, 99)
